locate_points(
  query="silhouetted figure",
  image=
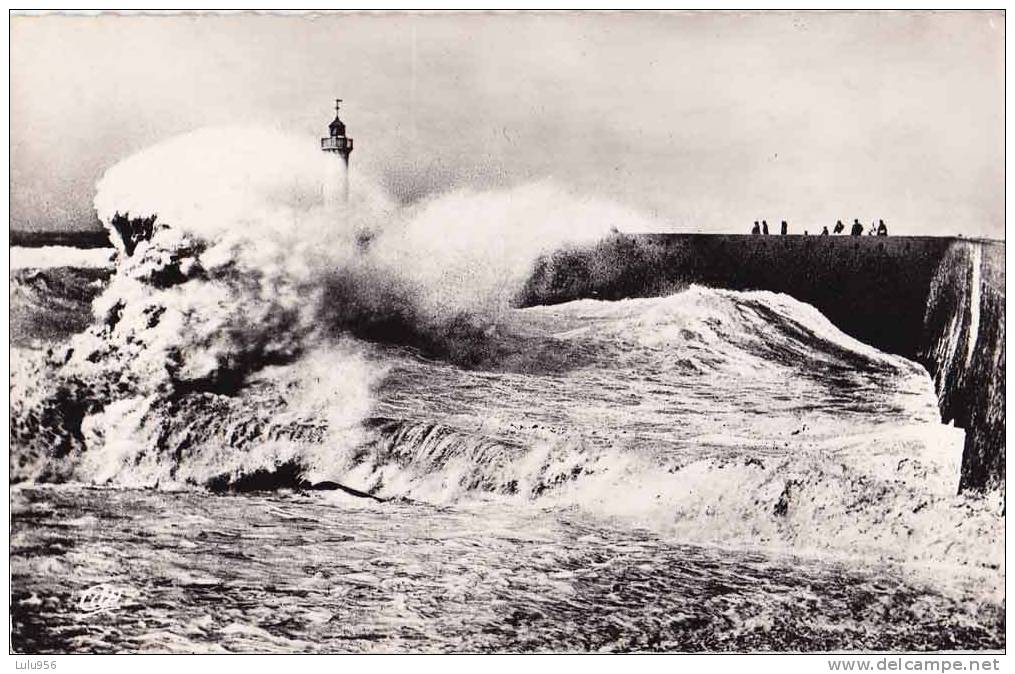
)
(857, 228)
(839, 227)
(806, 233)
(363, 239)
(882, 230)
(873, 230)
(756, 229)
(824, 230)
(764, 227)
(783, 228)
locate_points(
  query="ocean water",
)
(298, 573)
(712, 470)
(274, 423)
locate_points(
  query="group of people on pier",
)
(877, 228)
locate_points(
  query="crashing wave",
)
(238, 262)
(244, 337)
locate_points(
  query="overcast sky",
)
(706, 121)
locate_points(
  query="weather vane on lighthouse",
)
(338, 143)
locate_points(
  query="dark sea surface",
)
(294, 573)
(712, 470)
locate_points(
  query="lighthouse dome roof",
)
(337, 127)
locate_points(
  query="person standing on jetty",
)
(857, 228)
(756, 229)
(882, 229)
(824, 230)
(839, 227)
(764, 227)
(783, 228)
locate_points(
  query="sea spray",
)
(254, 337)
(231, 258)
(473, 251)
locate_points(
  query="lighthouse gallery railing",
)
(336, 144)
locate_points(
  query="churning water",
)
(279, 434)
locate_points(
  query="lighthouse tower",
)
(339, 145)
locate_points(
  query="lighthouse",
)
(339, 145)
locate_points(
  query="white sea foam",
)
(251, 264)
(59, 256)
(222, 352)
(974, 301)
